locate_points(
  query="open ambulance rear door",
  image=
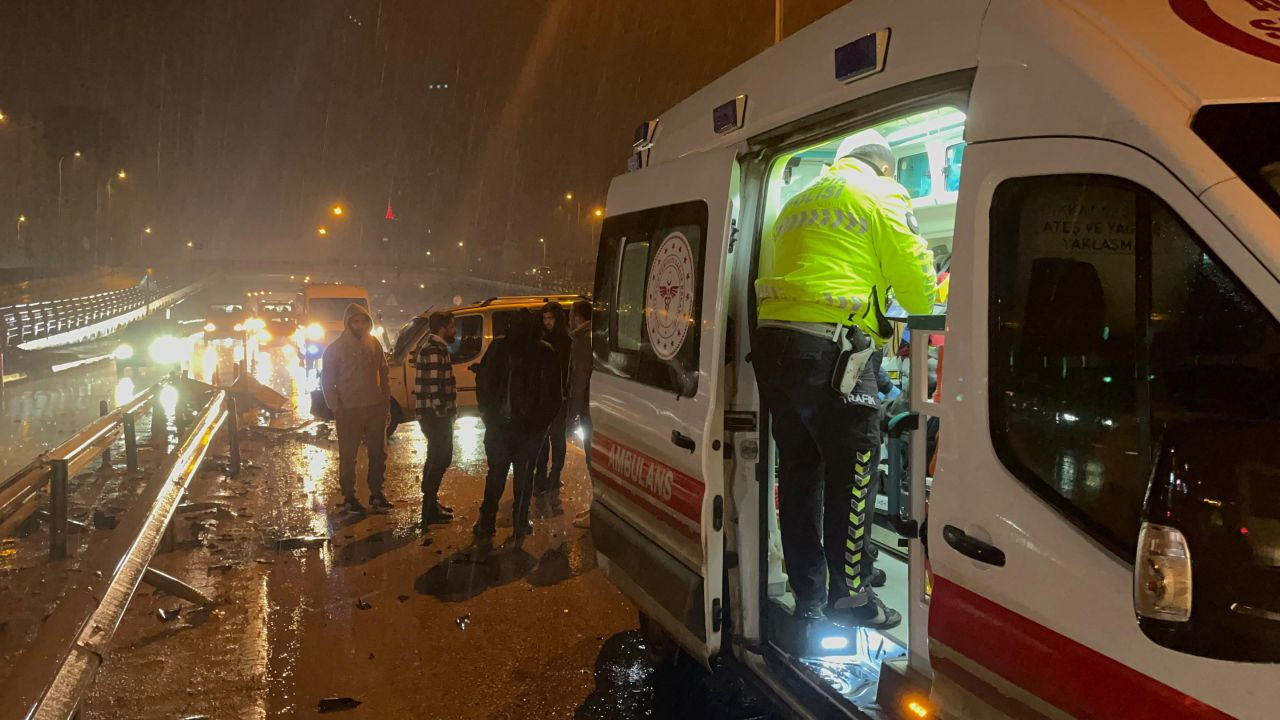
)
(657, 462)
(1104, 298)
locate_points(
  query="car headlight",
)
(254, 324)
(315, 331)
(124, 351)
(165, 350)
(210, 327)
(239, 327)
(313, 350)
(264, 336)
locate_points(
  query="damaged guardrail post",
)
(103, 409)
(130, 442)
(233, 436)
(58, 506)
(56, 672)
(159, 427)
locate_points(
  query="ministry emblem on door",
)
(669, 294)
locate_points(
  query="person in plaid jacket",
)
(437, 405)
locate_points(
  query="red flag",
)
(390, 215)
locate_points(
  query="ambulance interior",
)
(929, 149)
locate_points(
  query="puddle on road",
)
(8, 553)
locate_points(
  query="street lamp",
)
(543, 242)
(338, 211)
(568, 196)
(147, 229)
(97, 211)
(190, 244)
(322, 231)
(3, 117)
(77, 154)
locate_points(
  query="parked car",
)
(478, 325)
(223, 321)
(151, 343)
(279, 322)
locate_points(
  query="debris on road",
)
(362, 605)
(167, 615)
(337, 704)
(300, 542)
(204, 506)
(103, 521)
(402, 598)
(464, 621)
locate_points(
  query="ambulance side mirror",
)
(1206, 576)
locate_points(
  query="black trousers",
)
(508, 449)
(439, 434)
(829, 452)
(553, 449)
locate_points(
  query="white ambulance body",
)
(1111, 365)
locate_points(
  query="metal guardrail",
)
(54, 675)
(20, 494)
(26, 322)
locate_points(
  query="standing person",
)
(581, 363)
(518, 391)
(437, 394)
(353, 378)
(821, 320)
(546, 484)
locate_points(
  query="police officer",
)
(839, 247)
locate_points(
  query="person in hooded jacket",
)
(519, 393)
(353, 378)
(546, 483)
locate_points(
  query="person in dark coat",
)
(519, 392)
(579, 403)
(546, 483)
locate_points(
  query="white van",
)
(478, 325)
(1103, 518)
(324, 308)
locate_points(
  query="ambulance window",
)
(1111, 322)
(951, 167)
(913, 173)
(630, 313)
(1244, 136)
(646, 321)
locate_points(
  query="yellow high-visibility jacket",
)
(848, 236)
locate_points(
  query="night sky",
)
(242, 121)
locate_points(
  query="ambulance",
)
(1099, 534)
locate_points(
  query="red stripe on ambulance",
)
(1074, 678)
(642, 476)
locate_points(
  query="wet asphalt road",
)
(364, 610)
(372, 614)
